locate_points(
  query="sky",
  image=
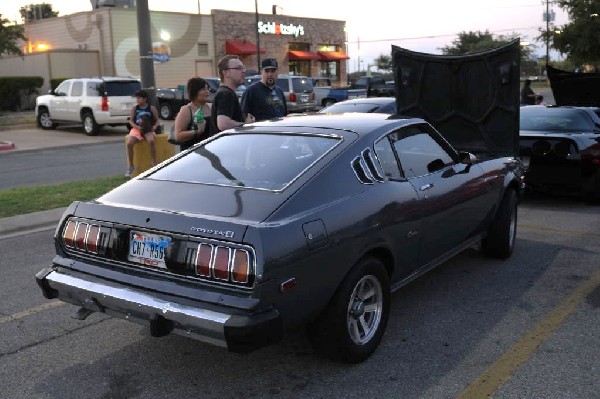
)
(420, 25)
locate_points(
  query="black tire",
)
(165, 111)
(327, 103)
(339, 333)
(502, 231)
(90, 127)
(44, 121)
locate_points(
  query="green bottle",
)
(199, 115)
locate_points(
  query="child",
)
(144, 122)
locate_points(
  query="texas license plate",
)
(148, 249)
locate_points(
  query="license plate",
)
(525, 159)
(148, 249)
(126, 105)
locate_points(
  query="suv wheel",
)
(166, 111)
(90, 127)
(44, 121)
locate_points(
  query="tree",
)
(10, 35)
(579, 38)
(384, 63)
(34, 12)
(474, 42)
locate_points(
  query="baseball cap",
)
(268, 63)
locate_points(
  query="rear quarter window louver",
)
(365, 168)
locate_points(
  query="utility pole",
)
(145, 48)
(547, 32)
(358, 55)
(257, 36)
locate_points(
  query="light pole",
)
(257, 36)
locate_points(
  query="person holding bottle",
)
(192, 124)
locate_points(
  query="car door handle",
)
(426, 186)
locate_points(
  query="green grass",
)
(21, 200)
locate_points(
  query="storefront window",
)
(329, 69)
(299, 67)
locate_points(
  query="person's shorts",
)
(138, 135)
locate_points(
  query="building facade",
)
(104, 41)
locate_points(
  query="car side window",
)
(63, 89)
(284, 84)
(419, 153)
(387, 159)
(77, 89)
(93, 89)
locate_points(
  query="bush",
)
(56, 81)
(12, 88)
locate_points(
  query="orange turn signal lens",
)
(241, 266)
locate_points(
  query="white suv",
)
(92, 102)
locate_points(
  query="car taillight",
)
(104, 105)
(216, 262)
(293, 97)
(591, 155)
(313, 96)
(85, 236)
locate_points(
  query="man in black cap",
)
(264, 99)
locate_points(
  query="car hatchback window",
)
(260, 161)
(125, 88)
(302, 85)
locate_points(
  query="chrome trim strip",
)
(367, 153)
(127, 303)
(358, 161)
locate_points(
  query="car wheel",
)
(327, 103)
(502, 231)
(44, 121)
(90, 127)
(166, 111)
(353, 323)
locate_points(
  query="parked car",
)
(376, 86)
(170, 101)
(383, 105)
(306, 221)
(298, 91)
(326, 96)
(93, 102)
(560, 146)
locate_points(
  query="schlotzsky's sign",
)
(273, 28)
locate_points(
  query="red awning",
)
(332, 56)
(241, 48)
(296, 55)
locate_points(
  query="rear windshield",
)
(350, 107)
(556, 120)
(302, 85)
(121, 88)
(251, 160)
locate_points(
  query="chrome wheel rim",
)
(164, 112)
(512, 230)
(88, 125)
(45, 120)
(364, 310)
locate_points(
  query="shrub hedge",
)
(13, 87)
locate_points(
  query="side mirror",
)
(467, 158)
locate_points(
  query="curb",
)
(36, 221)
(7, 145)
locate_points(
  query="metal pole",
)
(547, 31)
(145, 48)
(257, 36)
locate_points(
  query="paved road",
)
(531, 322)
(57, 156)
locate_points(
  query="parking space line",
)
(506, 366)
(562, 231)
(31, 312)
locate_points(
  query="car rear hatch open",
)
(472, 99)
(576, 89)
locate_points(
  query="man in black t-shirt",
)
(226, 112)
(264, 99)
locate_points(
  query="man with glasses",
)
(226, 112)
(264, 99)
